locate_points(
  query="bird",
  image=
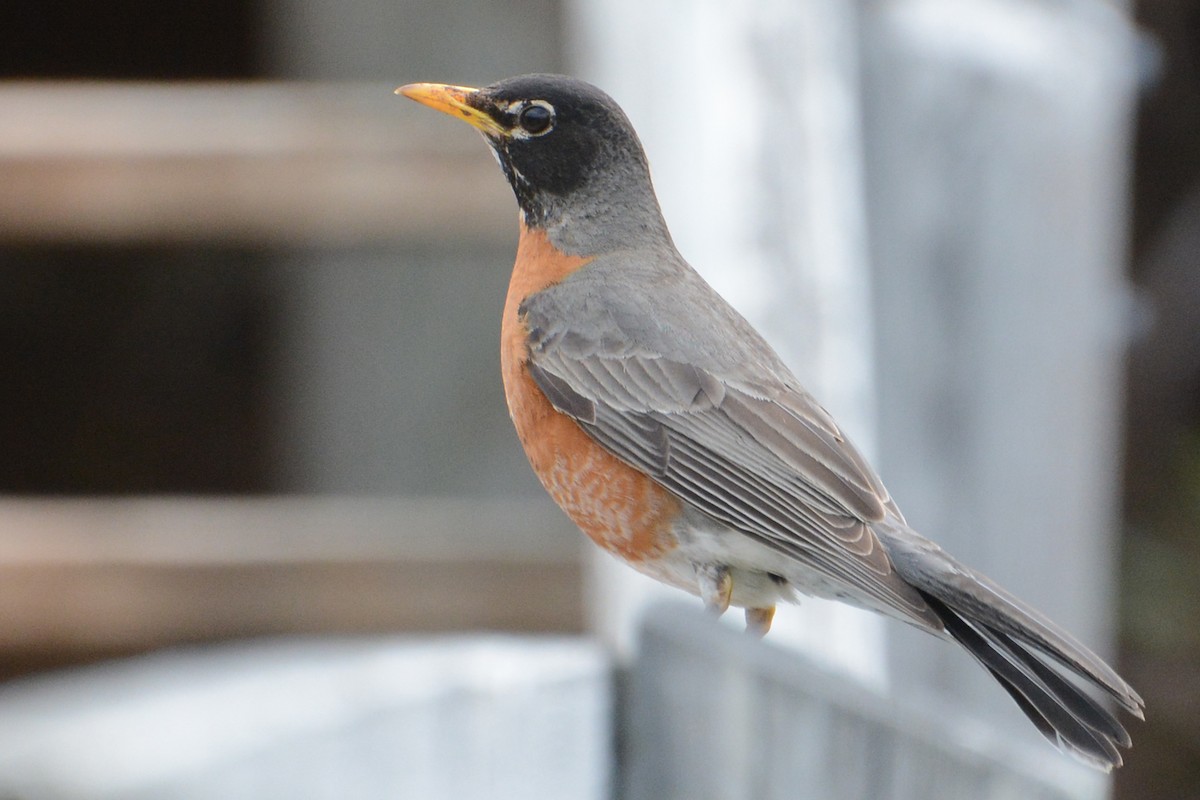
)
(677, 439)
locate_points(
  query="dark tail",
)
(1050, 675)
(1059, 708)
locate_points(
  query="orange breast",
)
(621, 509)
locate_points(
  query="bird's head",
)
(568, 151)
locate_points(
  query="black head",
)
(566, 148)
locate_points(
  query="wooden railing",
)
(254, 162)
(87, 578)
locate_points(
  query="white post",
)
(749, 115)
(997, 152)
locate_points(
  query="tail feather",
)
(1050, 675)
(1059, 709)
(981, 601)
(1085, 709)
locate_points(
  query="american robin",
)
(676, 438)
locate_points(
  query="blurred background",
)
(250, 314)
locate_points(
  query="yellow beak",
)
(452, 100)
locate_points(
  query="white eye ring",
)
(532, 125)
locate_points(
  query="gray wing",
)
(759, 456)
(712, 414)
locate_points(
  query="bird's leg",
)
(716, 587)
(758, 621)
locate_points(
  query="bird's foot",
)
(758, 621)
(716, 587)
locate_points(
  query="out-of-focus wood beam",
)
(88, 577)
(251, 163)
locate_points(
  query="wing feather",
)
(741, 456)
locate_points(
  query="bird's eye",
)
(535, 119)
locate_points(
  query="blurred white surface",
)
(711, 714)
(461, 718)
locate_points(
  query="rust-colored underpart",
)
(618, 507)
